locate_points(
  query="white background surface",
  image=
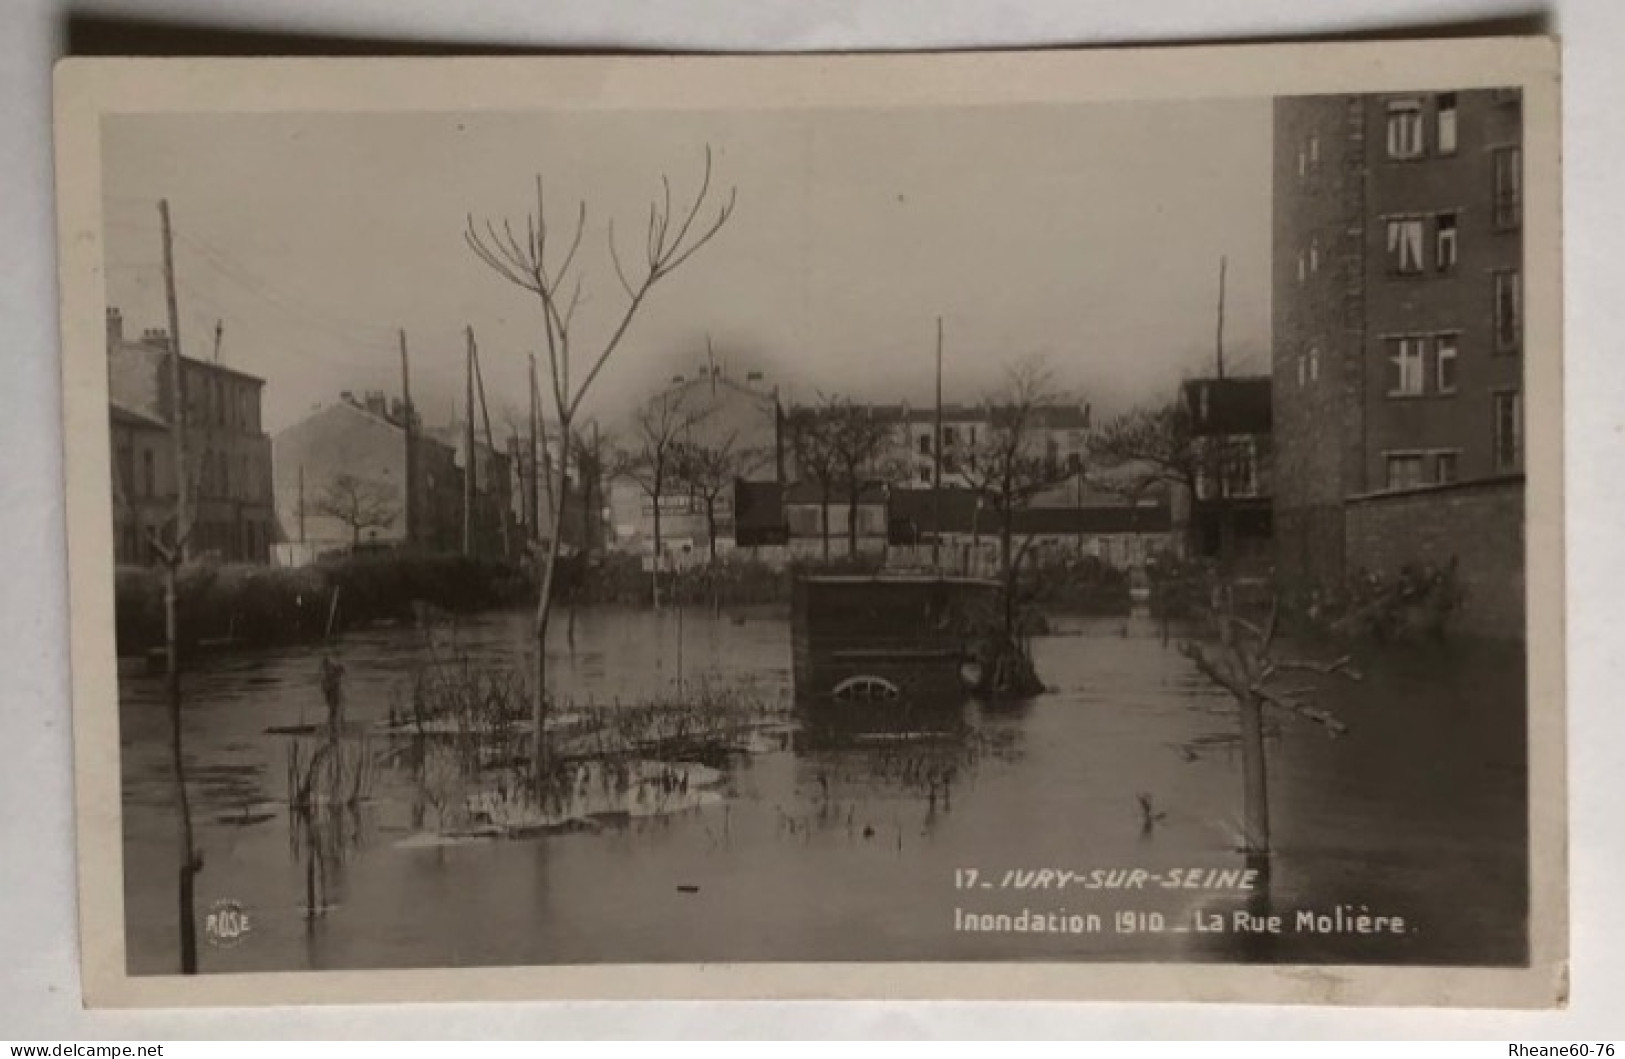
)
(39, 991)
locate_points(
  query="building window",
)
(1508, 311)
(1444, 358)
(1444, 467)
(149, 474)
(1405, 470)
(1508, 429)
(1314, 363)
(1508, 190)
(1303, 369)
(1303, 266)
(1446, 115)
(1405, 245)
(1405, 129)
(949, 438)
(1314, 149)
(1444, 242)
(925, 475)
(1314, 256)
(925, 444)
(1303, 162)
(1405, 361)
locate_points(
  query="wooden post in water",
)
(490, 441)
(936, 466)
(469, 461)
(173, 556)
(409, 429)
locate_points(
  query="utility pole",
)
(411, 448)
(468, 444)
(936, 469)
(301, 503)
(1219, 348)
(177, 428)
(219, 333)
(173, 556)
(490, 440)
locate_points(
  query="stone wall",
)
(1478, 524)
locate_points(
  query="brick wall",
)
(1479, 524)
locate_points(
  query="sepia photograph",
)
(745, 520)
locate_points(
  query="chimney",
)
(676, 380)
(347, 397)
(115, 328)
(376, 404)
(156, 336)
(753, 376)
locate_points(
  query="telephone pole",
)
(174, 556)
(1219, 349)
(177, 422)
(490, 441)
(411, 447)
(468, 444)
(936, 468)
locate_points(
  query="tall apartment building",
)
(227, 452)
(1398, 326)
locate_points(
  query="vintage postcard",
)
(1069, 525)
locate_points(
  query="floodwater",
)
(830, 844)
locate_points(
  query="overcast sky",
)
(1087, 234)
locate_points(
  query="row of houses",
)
(358, 473)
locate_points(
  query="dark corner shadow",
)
(108, 34)
(1536, 21)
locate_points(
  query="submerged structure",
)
(878, 638)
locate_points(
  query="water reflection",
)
(819, 834)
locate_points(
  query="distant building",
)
(1232, 511)
(228, 455)
(1060, 431)
(341, 482)
(1399, 339)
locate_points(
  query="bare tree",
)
(359, 503)
(812, 442)
(659, 430)
(710, 467)
(1243, 658)
(525, 258)
(1012, 464)
(1158, 440)
(858, 441)
(1162, 442)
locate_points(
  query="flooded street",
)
(826, 842)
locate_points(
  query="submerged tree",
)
(1243, 658)
(359, 503)
(1013, 463)
(542, 259)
